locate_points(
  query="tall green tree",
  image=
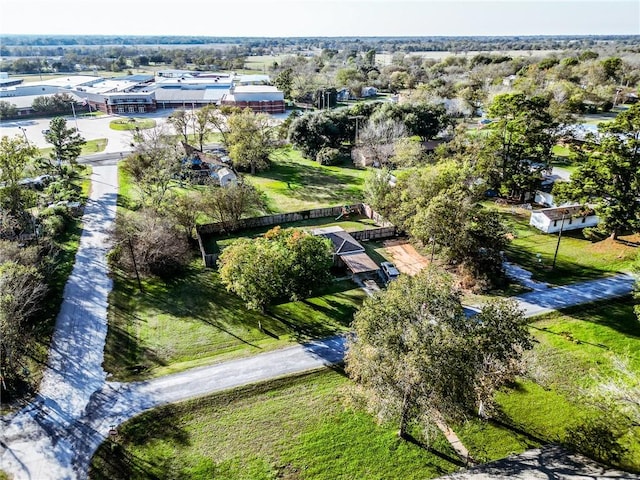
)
(284, 264)
(67, 146)
(419, 360)
(609, 174)
(250, 140)
(15, 154)
(519, 145)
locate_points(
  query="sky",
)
(305, 18)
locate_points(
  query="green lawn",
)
(132, 123)
(294, 183)
(91, 146)
(194, 321)
(294, 428)
(301, 427)
(578, 259)
(571, 348)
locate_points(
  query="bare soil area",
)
(405, 256)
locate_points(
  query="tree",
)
(378, 140)
(202, 124)
(155, 164)
(15, 155)
(417, 358)
(7, 110)
(284, 81)
(185, 210)
(67, 145)
(22, 290)
(181, 121)
(229, 204)
(609, 174)
(468, 234)
(283, 264)
(519, 145)
(149, 243)
(250, 140)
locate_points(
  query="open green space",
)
(194, 321)
(294, 183)
(96, 145)
(132, 123)
(578, 258)
(302, 427)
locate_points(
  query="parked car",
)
(389, 271)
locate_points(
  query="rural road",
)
(55, 436)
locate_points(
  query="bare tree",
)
(378, 140)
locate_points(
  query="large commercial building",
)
(147, 93)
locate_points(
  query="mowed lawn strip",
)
(193, 321)
(294, 183)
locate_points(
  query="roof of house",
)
(343, 243)
(359, 263)
(556, 213)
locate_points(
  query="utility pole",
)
(73, 109)
(555, 255)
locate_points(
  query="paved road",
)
(56, 435)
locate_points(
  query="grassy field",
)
(194, 321)
(578, 259)
(91, 146)
(301, 427)
(294, 183)
(132, 123)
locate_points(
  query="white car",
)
(389, 271)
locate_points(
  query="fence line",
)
(385, 231)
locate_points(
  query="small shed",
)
(226, 177)
(570, 217)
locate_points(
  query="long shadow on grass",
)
(448, 458)
(617, 315)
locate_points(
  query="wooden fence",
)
(385, 231)
(282, 218)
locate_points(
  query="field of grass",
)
(294, 183)
(578, 258)
(194, 321)
(301, 427)
(295, 428)
(132, 123)
(91, 146)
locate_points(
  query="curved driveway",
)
(55, 436)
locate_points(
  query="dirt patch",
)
(625, 246)
(405, 256)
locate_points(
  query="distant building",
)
(145, 93)
(259, 98)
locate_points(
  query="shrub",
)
(330, 156)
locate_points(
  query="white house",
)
(225, 177)
(570, 217)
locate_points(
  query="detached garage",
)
(347, 251)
